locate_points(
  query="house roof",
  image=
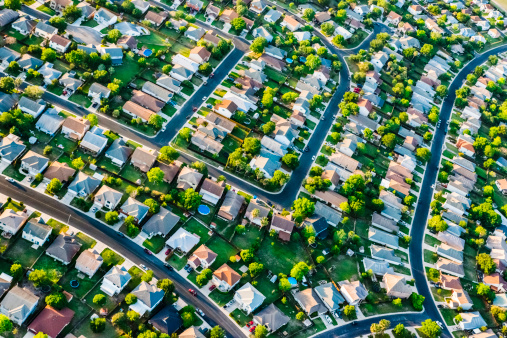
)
(232, 203)
(144, 158)
(106, 193)
(167, 320)
(118, 275)
(93, 141)
(11, 148)
(344, 161)
(13, 220)
(384, 222)
(60, 40)
(160, 92)
(397, 284)
(149, 294)
(155, 17)
(201, 51)
(138, 110)
(472, 320)
(213, 187)
(7, 16)
(34, 160)
(272, 317)
(450, 266)
(85, 183)
(162, 222)
(120, 150)
(90, 259)
(228, 105)
(330, 295)
(227, 274)
(382, 237)
(283, 223)
(61, 171)
(191, 332)
(46, 28)
(64, 247)
(318, 223)
(8, 55)
(331, 197)
(133, 207)
(450, 282)
(170, 171)
(37, 229)
(205, 254)
(183, 240)
(99, 89)
(147, 101)
(18, 303)
(310, 301)
(50, 121)
(331, 215)
(248, 295)
(376, 266)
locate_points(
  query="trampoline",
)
(203, 209)
(74, 284)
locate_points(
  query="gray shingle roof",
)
(84, 183)
(7, 16)
(119, 150)
(37, 229)
(148, 294)
(64, 247)
(330, 295)
(162, 222)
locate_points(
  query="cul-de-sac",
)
(253, 168)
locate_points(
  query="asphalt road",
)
(121, 245)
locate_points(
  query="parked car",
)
(148, 252)
(193, 292)
(252, 329)
(168, 251)
(169, 267)
(199, 311)
(328, 319)
(213, 287)
(143, 267)
(121, 234)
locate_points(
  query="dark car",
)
(168, 251)
(213, 287)
(147, 251)
(354, 323)
(121, 234)
(170, 268)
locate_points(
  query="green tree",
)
(13, 4)
(93, 119)
(291, 160)
(255, 268)
(268, 127)
(48, 55)
(133, 316)
(59, 23)
(430, 329)
(99, 299)
(168, 153)
(113, 35)
(349, 310)
(397, 302)
(130, 299)
(485, 263)
(238, 24)
(119, 320)
(299, 270)
(155, 175)
(98, 324)
(185, 134)
(78, 163)
(34, 92)
(252, 145)
(153, 205)
(427, 50)
(308, 14)
(205, 69)
(112, 217)
(71, 12)
(5, 324)
(423, 154)
(313, 62)
(189, 199)
(54, 186)
(417, 301)
(16, 271)
(56, 300)
(261, 331)
(217, 332)
(258, 45)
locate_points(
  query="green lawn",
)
(90, 23)
(280, 257)
(86, 241)
(58, 227)
(13, 172)
(342, 268)
(246, 240)
(131, 174)
(85, 331)
(240, 317)
(154, 244)
(16, 206)
(81, 99)
(111, 258)
(23, 253)
(47, 263)
(221, 298)
(195, 227)
(110, 302)
(129, 69)
(382, 308)
(223, 249)
(46, 10)
(430, 240)
(85, 284)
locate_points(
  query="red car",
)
(192, 292)
(213, 287)
(252, 329)
(212, 74)
(168, 251)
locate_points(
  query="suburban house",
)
(115, 280)
(450, 267)
(134, 208)
(10, 149)
(89, 262)
(44, 30)
(107, 198)
(212, 191)
(225, 278)
(49, 122)
(105, 17)
(183, 241)
(353, 292)
(383, 238)
(256, 216)
(93, 142)
(148, 297)
(231, 206)
(161, 223)
(459, 298)
(271, 317)
(330, 296)
(83, 185)
(137, 111)
(119, 152)
(310, 302)
(147, 101)
(202, 257)
(63, 249)
(18, 304)
(282, 226)
(75, 128)
(33, 163)
(59, 43)
(189, 178)
(171, 84)
(98, 92)
(31, 107)
(167, 320)
(396, 286)
(24, 25)
(51, 321)
(290, 23)
(471, 321)
(36, 232)
(226, 108)
(61, 171)
(59, 5)
(248, 298)
(143, 159)
(12, 221)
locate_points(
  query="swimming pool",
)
(203, 209)
(147, 52)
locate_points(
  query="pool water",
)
(147, 52)
(203, 209)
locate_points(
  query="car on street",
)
(143, 267)
(322, 118)
(212, 74)
(199, 311)
(439, 323)
(169, 267)
(205, 83)
(193, 292)
(8, 179)
(354, 323)
(148, 252)
(120, 234)
(194, 108)
(204, 98)
(313, 158)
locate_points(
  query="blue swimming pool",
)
(203, 209)
(147, 52)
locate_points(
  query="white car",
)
(313, 158)
(143, 267)
(199, 311)
(204, 98)
(328, 319)
(9, 179)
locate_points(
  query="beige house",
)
(189, 178)
(107, 198)
(143, 159)
(396, 286)
(89, 262)
(202, 257)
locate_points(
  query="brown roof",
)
(143, 158)
(331, 175)
(211, 38)
(227, 104)
(213, 187)
(147, 101)
(201, 51)
(205, 254)
(78, 124)
(291, 21)
(229, 15)
(322, 16)
(393, 16)
(495, 278)
(60, 40)
(170, 171)
(155, 17)
(137, 110)
(227, 274)
(284, 236)
(128, 40)
(365, 103)
(450, 282)
(220, 121)
(51, 321)
(272, 62)
(331, 197)
(61, 171)
(282, 223)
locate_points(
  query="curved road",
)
(284, 198)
